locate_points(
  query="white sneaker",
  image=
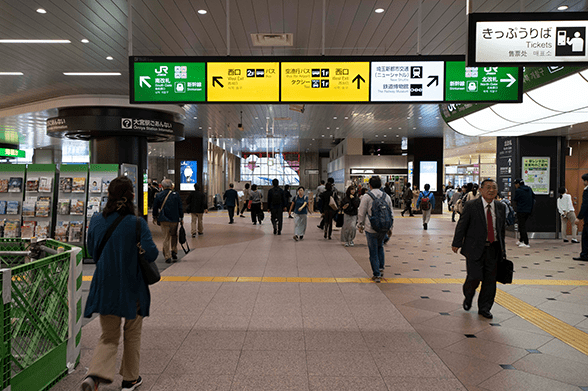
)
(346, 244)
(518, 243)
(351, 244)
(524, 245)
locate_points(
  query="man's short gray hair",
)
(167, 184)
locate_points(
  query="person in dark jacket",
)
(480, 234)
(197, 206)
(231, 198)
(581, 215)
(407, 198)
(328, 211)
(524, 200)
(167, 213)
(288, 196)
(276, 202)
(350, 205)
(118, 290)
(151, 193)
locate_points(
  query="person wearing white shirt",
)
(566, 212)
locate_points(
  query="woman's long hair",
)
(561, 191)
(348, 191)
(120, 197)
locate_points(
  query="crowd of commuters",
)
(116, 235)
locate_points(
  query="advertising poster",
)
(188, 174)
(428, 175)
(536, 174)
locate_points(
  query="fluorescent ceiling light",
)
(92, 73)
(379, 10)
(11, 73)
(85, 40)
(202, 12)
(565, 119)
(527, 111)
(487, 120)
(35, 41)
(567, 94)
(562, 8)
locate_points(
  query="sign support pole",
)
(324, 22)
(228, 29)
(130, 27)
(420, 16)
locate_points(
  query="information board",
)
(325, 81)
(243, 81)
(536, 174)
(527, 38)
(478, 84)
(383, 79)
(169, 82)
(400, 81)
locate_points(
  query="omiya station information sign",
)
(422, 79)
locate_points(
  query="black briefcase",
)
(505, 271)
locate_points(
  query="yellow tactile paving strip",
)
(357, 280)
(560, 330)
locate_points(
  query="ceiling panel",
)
(174, 27)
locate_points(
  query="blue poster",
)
(188, 174)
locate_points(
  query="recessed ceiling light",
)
(379, 10)
(436, 117)
(382, 142)
(328, 128)
(396, 135)
(200, 127)
(385, 136)
(420, 117)
(92, 73)
(312, 139)
(109, 58)
(195, 117)
(413, 128)
(376, 135)
(337, 128)
(407, 117)
(322, 135)
(256, 118)
(202, 12)
(399, 128)
(346, 117)
(41, 11)
(85, 40)
(334, 117)
(35, 41)
(11, 73)
(209, 127)
(562, 8)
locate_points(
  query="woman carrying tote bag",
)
(118, 289)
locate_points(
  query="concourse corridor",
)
(247, 310)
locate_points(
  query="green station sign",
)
(481, 84)
(169, 81)
(7, 152)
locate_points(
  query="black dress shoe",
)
(485, 314)
(467, 304)
(168, 260)
(580, 259)
(174, 255)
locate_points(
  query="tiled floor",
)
(407, 334)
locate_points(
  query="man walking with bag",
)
(167, 213)
(426, 203)
(376, 218)
(480, 235)
(524, 200)
(276, 204)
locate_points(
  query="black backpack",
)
(277, 197)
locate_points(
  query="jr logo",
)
(162, 71)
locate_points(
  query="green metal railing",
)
(39, 314)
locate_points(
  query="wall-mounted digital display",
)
(428, 174)
(188, 174)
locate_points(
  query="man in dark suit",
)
(480, 235)
(583, 211)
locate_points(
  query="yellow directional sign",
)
(243, 81)
(325, 81)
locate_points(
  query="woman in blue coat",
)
(118, 289)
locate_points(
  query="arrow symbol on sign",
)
(215, 79)
(359, 79)
(434, 79)
(143, 80)
(510, 80)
